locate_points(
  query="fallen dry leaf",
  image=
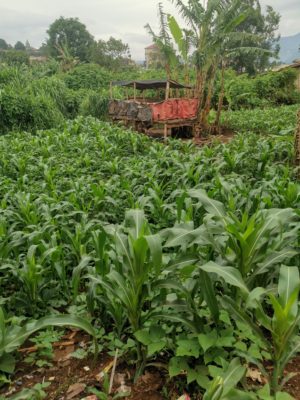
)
(104, 371)
(255, 375)
(148, 382)
(63, 354)
(75, 390)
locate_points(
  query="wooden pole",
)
(166, 98)
(127, 95)
(167, 90)
(165, 132)
(134, 91)
(111, 90)
(297, 146)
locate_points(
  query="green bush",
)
(95, 104)
(14, 57)
(270, 89)
(272, 120)
(27, 111)
(87, 76)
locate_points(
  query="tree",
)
(112, 54)
(3, 45)
(71, 34)
(19, 46)
(164, 42)
(212, 24)
(14, 57)
(262, 30)
(183, 39)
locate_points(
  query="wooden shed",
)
(171, 106)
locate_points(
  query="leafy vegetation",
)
(167, 255)
(271, 120)
(186, 255)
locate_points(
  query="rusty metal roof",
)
(151, 84)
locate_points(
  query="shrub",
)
(95, 104)
(27, 111)
(87, 76)
(14, 57)
(270, 89)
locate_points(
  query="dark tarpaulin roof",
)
(151, 84)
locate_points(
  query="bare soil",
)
(71, 378)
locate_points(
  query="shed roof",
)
(295, 64)
(151, 84)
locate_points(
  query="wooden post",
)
(111, 90)
(134, 91)
(165, 132)
(167, 90)
(127, 95)
(297, 146)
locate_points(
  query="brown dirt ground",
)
(67, 371)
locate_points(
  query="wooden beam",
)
(111, 90)
(134, 91)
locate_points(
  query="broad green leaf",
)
(156, 347)
(143, 336)
(212, 206)
(233, 375)
(177, 365)
(238, 313)
(209, 295)
(135, 220)
(154, 243)
(254, 297)
(288, 282)
(208, 340)
(188, 347)
(283, 396)
(231, 275)
(12, 342)
(273, 259)
(7, 363)
(183, 261)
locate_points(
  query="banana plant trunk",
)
(200, 87)
(221, 99)
(207, 106)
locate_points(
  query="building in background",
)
(153, 57)
(296, 65)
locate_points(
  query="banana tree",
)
(164, 42)
(211, 23)
(183, 39)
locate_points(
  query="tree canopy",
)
(112, 53)
(19, 46)
(261, 29)
(70, 34)
(3, 44)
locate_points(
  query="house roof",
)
(152, 46)
(151, 84)
(295, 64)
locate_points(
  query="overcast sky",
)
(125, 19)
